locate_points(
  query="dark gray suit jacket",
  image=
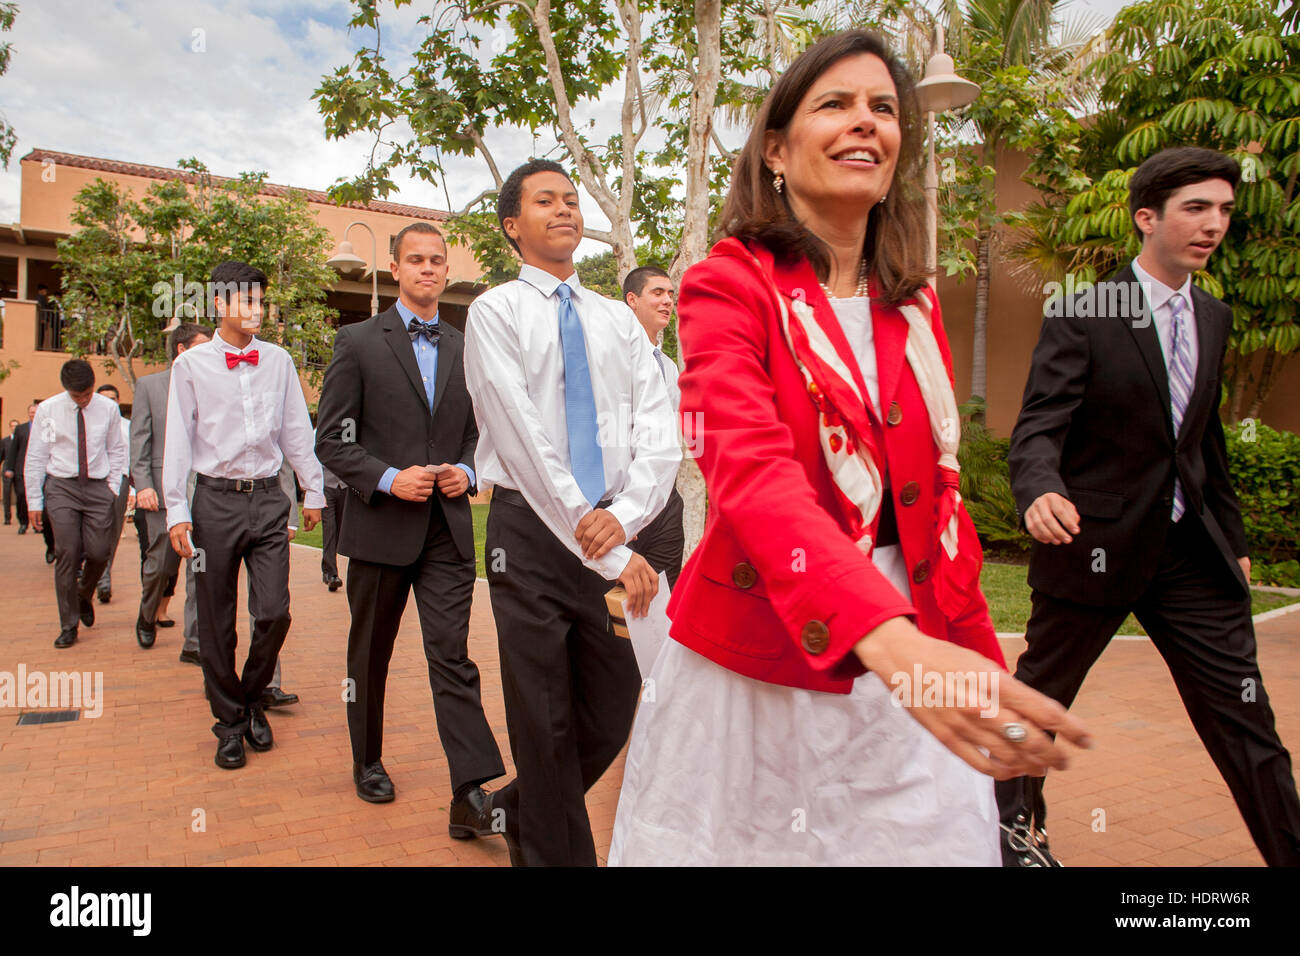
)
(1095, 427)
(373, 414)
(148, 429)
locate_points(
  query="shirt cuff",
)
(178, 514)
(469, 471)
(312, 499)
(612, 564)
(386, 481)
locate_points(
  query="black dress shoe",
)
(144, 632)
(274, 697)
(22, 529)
(87, 612)
(104, 594)
(188, 656)
(259, 730)
(49, 557)
(66, 638)
(471, 815)
(335, 583)
(230, 753)
(373, 784)
(164, 622)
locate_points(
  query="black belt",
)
(246, 485)
(508, 496)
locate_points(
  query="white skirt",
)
(724, 770)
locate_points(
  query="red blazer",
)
(777, 590)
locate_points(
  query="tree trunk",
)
(695, 232)
(979, 349)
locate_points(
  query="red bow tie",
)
(234, 358)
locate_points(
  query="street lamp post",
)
(345, 260)
(940, 91)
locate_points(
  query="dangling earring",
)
(778, 181)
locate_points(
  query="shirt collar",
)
(407, 315)
(224, 346)
(546, 284)
(1159, 294)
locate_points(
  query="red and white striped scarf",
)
(849, 449)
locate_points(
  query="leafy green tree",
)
(135, 265)
(1223, 74)
(8, 137)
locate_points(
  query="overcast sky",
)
(121, 79)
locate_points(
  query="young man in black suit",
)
(396, 425)
(1120, 474)
(5, 444)
(15, 458)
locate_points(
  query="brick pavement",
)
(137, 785)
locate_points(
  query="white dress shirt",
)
(240, 422)
(1158, 295)
(514, 369)
(52, 444)
(668, 368)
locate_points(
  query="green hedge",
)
(986, 483)
(1265, 468)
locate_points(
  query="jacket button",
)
(430, 444)
(743, 576)
(921, 572)
(909, 493)
(816, 637)
(895, 416)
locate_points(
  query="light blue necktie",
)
(585, 459)
(1181, 379)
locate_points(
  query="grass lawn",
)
(1004, 584)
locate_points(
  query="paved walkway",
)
(137, 785)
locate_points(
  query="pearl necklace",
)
(862, 290)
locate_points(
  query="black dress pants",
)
(570, 685)
(1200, 623)
(443, 581)
(663, 540)
(329, 519)
(232, 528)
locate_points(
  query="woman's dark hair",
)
(1170, 170)
(896, 239)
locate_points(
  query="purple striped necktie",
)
(1181, 375)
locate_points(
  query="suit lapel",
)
(1207, 346)
(449, 348)
(400, 342)
(1141, 324)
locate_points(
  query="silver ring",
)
(1015, 733)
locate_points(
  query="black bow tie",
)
(415, 328)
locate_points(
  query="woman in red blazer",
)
(817, 396)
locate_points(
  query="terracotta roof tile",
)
(270, 189)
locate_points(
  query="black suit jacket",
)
(1095, 427)
(16, 455)
(373, 414)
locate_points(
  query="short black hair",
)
(510, 198)
(232, 274)
(184, 334)
(638, 277)
(1171, 169)
(77, 375)
(108, 387)
(426, 227)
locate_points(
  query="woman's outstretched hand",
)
(970, 722)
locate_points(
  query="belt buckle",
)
(244, 484)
